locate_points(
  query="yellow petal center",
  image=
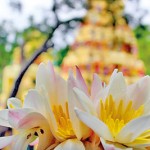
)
(64, 125)
(116, 116)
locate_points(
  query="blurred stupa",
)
(11, 72)
(105, 42)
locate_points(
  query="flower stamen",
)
(28, 136)
(42, 131)
(35, 133)
(64, 125)
(117, 116)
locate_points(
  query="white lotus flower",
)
(30, 120)
(48, 108)
(123, 115)
(63, 121)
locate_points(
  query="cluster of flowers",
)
(67, 115)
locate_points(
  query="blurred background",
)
(96, 35)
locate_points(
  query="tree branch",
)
(35, 56)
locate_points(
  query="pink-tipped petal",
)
(15, 115)
(96, 87)
(52, 78)
(81, 81)
(51, 70)
(61, 90)
(79, 128)
(31, 120)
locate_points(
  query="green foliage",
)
(5, 58)
(143, 36)
(60, 56)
